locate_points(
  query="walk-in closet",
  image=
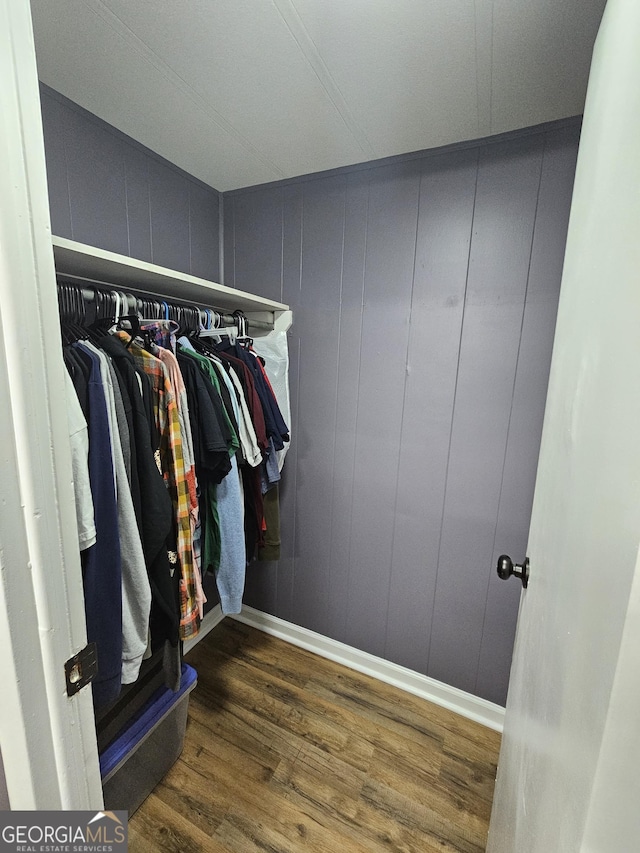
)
(313, 420)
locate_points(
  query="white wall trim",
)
(466, 704)
(212, 618)
(49, 748)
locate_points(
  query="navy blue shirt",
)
(102, 573)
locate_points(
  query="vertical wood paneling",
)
(350, 331)
(291, 279)
(525, 425)
(261, 586)
(53, 118)
(204, 233)
(138, 203)
(444, 234)
(389, 260)
(108, 191)
(376, 437)
(257, 225)
(318, 330)
(169, 202)
(258, 243)
(95, 163)
(506, 199)
(228, 273)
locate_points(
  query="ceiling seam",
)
(308, 48)
(134, 41)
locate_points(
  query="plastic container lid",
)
(140, 727)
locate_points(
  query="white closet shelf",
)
(100, 267)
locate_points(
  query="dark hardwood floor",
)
(286, 751)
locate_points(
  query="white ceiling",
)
(240, 92)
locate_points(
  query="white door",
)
(47, 740)
(569, 770)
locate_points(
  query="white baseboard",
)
(466, 704)
(212, 618)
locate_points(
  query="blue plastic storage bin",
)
(133, 764)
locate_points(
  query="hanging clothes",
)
(156, 522)
(277, 435)
(102, 572)
(273, 351)
(275, 426)
(167, 356)
(223, 551)
(136, 592)
(173, 446)
(147, 604)
(211, 453)
(79, 443)
(251, 452)
(175, 473)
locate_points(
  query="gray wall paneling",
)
(342, 469)
(506, 199)
(292, 206)
(54, 115)
(278, 228)
(424, 294)
(169, 206)
(97, 186)
(525, 422)
(320, 289)
(389, 260)
(204, 241)
(138, 203)
(444, 235)
(262, 260)
(228, 272)
(108, 191)
(257, 244)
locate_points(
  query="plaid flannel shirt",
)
(176, 477)
(175, 376)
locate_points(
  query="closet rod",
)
(88, 294)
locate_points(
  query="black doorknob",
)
(506, 568)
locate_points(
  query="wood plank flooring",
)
(286, 751)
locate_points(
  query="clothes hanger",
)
(78, 314)
(225, 331)
(71, 307)
(243, 329)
